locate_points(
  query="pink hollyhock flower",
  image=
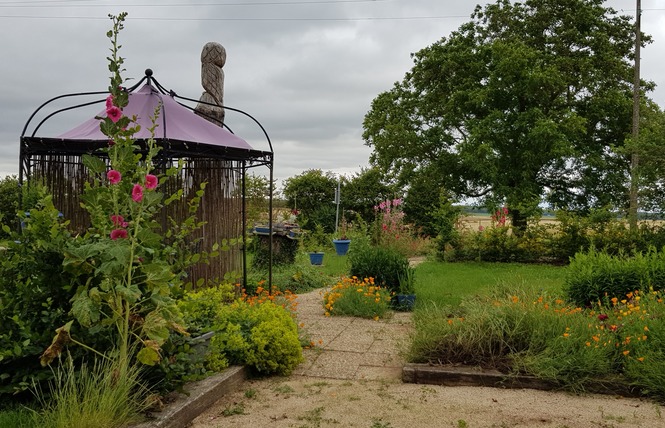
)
(114, 113)
(118, 234)
(109, 102)
(117, 220)
(137, 193)
(150, 181)
(481, 228)
(114, 176)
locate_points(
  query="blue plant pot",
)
(316, 258)
(405, 302)
(341, 246)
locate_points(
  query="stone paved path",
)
(348, 347)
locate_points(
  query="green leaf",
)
(132, 293)
(94, 164)
(148, 356)
(85, 309)
(155, 327)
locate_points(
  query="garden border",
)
(476, 376)
(198, 397)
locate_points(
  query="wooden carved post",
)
(213, 58)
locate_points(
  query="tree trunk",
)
(518, 220)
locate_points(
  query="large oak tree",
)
(525, 102)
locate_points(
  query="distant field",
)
(474, 221)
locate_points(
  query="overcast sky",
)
(306, 69)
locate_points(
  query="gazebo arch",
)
(207, 152)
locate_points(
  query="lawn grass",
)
(17, 418)
(446, 284)
(335, 265)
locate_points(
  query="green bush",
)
(261, 336)
(284, 251)
(35, 296)
(594, 275)
(183, 356)
(200, 307)
(385, 265)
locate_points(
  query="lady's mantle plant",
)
(123, 270)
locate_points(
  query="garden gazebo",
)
(207, 152)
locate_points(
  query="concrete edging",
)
(200, 396)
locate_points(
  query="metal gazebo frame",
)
(49, 157)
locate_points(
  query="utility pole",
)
(634, 158)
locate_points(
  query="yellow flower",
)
(626, 352)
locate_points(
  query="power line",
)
(401, 18)
(61, 3)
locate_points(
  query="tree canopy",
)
(527, 101)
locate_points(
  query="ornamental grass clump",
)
(358, 298)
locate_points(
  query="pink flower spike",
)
(109, 102)
(150, 181)
(137, 193)
(118, 220)
(118, 234)
(114, 176)
(114, 113)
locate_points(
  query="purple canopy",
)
(175, 122)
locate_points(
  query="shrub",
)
(35, 296)
(284, 251)
(358, 298)
(385, 265)
(594, 275)
(262, 336)
(199, 307)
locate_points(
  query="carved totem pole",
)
(213, 58)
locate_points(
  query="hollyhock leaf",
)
(94, 164)
(155, 327)
(148, 356)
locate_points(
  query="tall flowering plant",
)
(389, 227)
(124, 271)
